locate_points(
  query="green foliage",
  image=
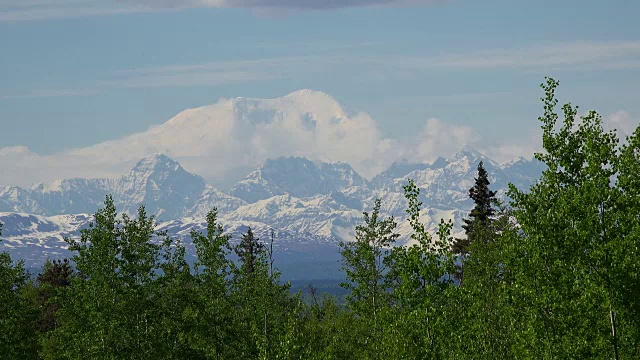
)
(571, 264)
(109, 311)
(555, 274)
(367, 263)
(481, 215)
(18, 338)
(263, 306)
(423, 293)
(211, 328)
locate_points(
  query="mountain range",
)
(311, 206)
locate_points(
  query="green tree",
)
(263, 306)
(55, 275)
(213, 330)
(249, 251)
(109, 311)
(424, 290)
(18, 338)
(578, 239)
(485, 317)
(478, 226)
(366, 262)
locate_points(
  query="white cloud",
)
(524, 146)
(530, 142)
(622, 122)
(583, 54)
(438, 138)
(222, 140)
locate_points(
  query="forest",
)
(554, 273)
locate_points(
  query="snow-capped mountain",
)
(297, 177)
(160, 183)
(311, 206)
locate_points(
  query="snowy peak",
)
(156, 163)
(158, 172)
(296, 176)
(472, 156)
(157, 181)
(398, 169)
(316, 102)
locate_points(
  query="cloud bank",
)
(224, 141)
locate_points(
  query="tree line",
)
(553, 274)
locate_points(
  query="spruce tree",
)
(55, 276)
(480, 217)
(249, 250)
(477, 226)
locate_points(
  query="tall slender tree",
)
(212, 317)
(249, 250)
(481, 215)
(478, 226)
(366, 262)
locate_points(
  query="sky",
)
(78, 73)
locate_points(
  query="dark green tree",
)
(481, 215)
(249, 251)
(18, 338)
(263, 306)
(478, 227)
(55, 276)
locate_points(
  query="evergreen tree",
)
(478, 226)
(55, 276)
(480, 217)
(249, 250)
(263, 306)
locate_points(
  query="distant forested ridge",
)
(553, 274)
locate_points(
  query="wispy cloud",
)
(585, 55)
(32, 10)
(578, 53)
(568, 56)
(47, 93)
(283, 4)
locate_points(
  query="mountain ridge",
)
(314, 205)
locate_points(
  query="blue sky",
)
(76, 73)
